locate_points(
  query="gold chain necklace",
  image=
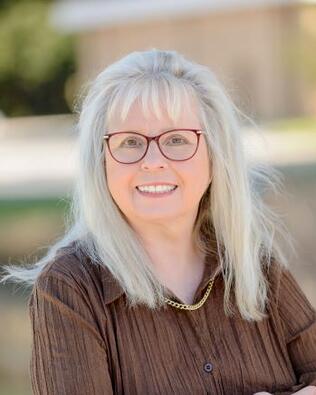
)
(195, 306)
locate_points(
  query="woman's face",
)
(192, 176)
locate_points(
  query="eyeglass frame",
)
(156, 138)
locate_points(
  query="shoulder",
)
(273, 273)
(295, 310)
(282, 282)
(68, 292)
(69, 265)
(65, 275)
(71, 270)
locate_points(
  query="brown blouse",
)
(87, 341)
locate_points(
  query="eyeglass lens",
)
(176, 145)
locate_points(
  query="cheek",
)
(196, 178)
(198, 169)
(119, 180)
(203, 163)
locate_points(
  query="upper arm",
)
(69, 355)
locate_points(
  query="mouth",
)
(157, 193)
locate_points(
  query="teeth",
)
(156, 189)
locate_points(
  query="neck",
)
(171, 248)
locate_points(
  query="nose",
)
(153, 157)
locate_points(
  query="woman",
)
(169, 280)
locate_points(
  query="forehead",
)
(140, 120)
(157, 111)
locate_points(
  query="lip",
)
(156, 183)
(157, 195)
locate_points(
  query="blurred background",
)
(262, 51)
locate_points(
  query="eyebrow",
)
(141, 131)
(158, 131)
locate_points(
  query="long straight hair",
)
(232, 211)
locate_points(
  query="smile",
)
(158, 191)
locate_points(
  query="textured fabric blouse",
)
(87, 341)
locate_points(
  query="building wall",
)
(247, 49)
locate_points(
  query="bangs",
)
(155, 94)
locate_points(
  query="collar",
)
(212, 269)
(112, 290)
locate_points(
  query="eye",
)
(177, 140)
(132, 142)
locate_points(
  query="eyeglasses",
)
(176, 144)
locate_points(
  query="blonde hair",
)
(232, 211)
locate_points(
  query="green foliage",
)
(299, 124)
(15, 209)
(35, 60)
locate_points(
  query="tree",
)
(35, 60)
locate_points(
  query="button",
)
(208, 367)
